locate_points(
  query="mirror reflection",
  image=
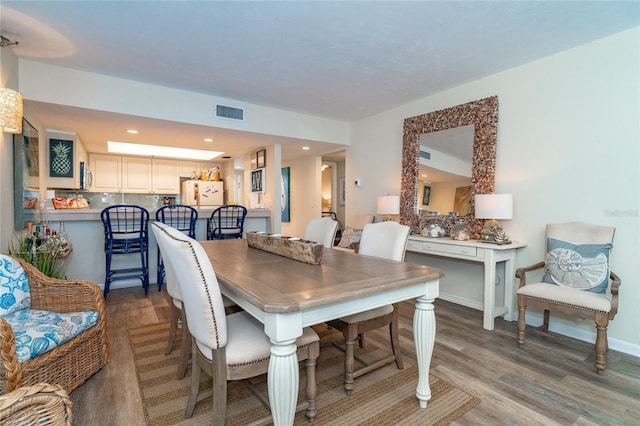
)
(445, 170)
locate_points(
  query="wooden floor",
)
(550, 381)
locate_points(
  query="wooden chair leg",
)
(522, 308)
(395, 337)
(195, 383)
(545, 325)
(349, 357)
(602, 322)
(185, 350)
(219, 376)
(311, 388)
(361, 340)
(172, 328)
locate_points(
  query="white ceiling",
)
(341, 60)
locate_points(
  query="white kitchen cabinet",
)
(107, 172)
(188, 168)
(165, 176)
(136, 175)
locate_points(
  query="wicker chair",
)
(40, 404)
(71, 363)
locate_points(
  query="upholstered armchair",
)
(577, 281)
(51, 330)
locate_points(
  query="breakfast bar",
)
(85, 232)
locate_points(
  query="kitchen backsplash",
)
(100, 200)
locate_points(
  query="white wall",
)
(122, 96)
(8, 79)
(305, 182)
(568, 149)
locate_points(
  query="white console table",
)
(488, 254)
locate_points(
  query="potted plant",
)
(45, 252)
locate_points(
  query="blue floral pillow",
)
(14, 287)
(583, 267)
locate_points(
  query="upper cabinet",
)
(134, 175)
(107, 172)
(165, 176)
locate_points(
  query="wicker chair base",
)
(41, 404)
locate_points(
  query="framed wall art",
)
(426, 195)
(258, 180)
(60, 158)
(261, 160)
(286, 192)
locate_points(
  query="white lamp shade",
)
(494, 206)
(10, 111)
(388, 204)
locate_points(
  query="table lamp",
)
(387, 206)
(494, 207)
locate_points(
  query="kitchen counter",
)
(85, 231)
(68, 215)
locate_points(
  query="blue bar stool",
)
(126, 232)
(226, 222)
(180, 217)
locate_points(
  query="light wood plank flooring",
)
(550, 381)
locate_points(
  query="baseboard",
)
(473, 304)
(536, 320)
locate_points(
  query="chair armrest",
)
(37, 404)
(521, 272)
(51, 294)
(615, 288)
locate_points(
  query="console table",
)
(489, 255)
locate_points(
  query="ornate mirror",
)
(483, 116)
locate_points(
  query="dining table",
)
(287, 295)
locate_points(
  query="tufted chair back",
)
(321, 231)
(196, 278)
(384, 239)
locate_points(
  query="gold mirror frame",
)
(483, 115)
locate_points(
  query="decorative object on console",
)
(433, 226)
(388, 206)
(10, 111)
(460, 231)
(493, 207)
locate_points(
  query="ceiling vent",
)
(426, 155)
(229, 112)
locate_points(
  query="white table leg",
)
(283, 380)
(489, 290)
(424, 334)
(509, 283)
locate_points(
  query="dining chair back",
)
(226, 222)
(227, 347)
(386, 240)
(180, 217)
(126, 232)
(321, 231)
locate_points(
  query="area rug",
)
(383, 397)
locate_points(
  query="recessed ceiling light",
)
(208, 140)
(305, 148)
(132, 131)
(161, 151)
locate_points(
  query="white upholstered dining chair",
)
(386, 240)
(322, 230)
(227, 347)
(577, 281)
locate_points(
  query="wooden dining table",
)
(287, 295)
